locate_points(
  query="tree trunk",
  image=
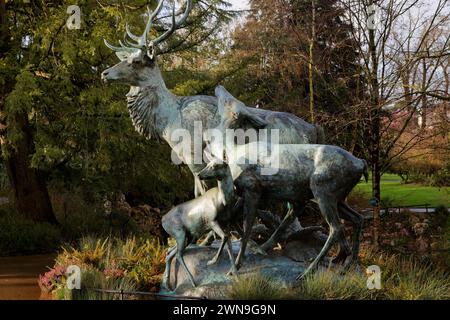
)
(30, 192)
(375, 137)
(31, 197)
(311, 61)
(424, 103)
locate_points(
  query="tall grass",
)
(330, 285)
(409, 278)
(418, 283)
(256, 287)
(403, 278)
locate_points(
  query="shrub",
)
(114, 263)
(81, 213)
(49, 281)
(442, 255)
(90, 252)
(428, 169)
(92, 282)
(19, 235)
(442, 177)
(441, 210)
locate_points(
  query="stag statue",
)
(157, 113)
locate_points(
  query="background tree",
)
(392, 52)
(274, 48)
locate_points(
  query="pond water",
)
(19, 276)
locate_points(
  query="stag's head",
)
(138, 54)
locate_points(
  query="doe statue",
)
(295, 173)
(189, 221)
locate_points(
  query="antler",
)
(121, 48)
(141, 41)
(175, 25)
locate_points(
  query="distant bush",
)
(424, 171)
(81, 213)
(441, 212)
(442, 177)
(19, 235)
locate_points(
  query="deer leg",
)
(343, 253)
(199, 190)
(344, 249)
(269, 244)
(218, 230)
(212, 235)
(329, 211)
(357, 221)
(208, 240)
(181, 246)
(233, 269)
(250, 202)
(199, 187)
(170, 255)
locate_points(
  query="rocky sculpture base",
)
(284, 265)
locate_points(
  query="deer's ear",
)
(241, 116)
(151, 52)
(208, 155)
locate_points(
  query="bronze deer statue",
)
(158, 113)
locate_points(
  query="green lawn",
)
(407, 194)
